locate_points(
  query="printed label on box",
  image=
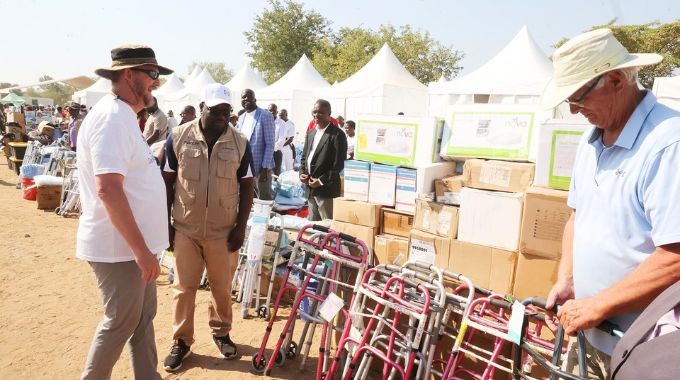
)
(421, 251)
(562, 157)
(495, 175)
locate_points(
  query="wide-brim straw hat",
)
(127, 56)
(584, 58)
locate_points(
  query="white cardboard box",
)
(497, 131)
(382, 184)
(399, 140)
(490, 218)
(406, 192)
(557, 141)
(356, 180)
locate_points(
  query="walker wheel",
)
(263, 312)
(292, 350)
(258, 367)
(56, 210)
(280, 358)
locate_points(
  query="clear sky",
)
(73, 37)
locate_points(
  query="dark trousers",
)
(278, 159)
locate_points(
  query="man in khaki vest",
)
(210, 194)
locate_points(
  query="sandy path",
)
(50, 306)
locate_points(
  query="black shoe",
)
(178, 353)
(226, 346)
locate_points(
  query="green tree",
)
(281, 34)
(218, 70)
(342, 54)
(7, 84)
(57, 91)
(654, 37)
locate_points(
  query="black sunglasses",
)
(219, 111)
(579, 102)
(151, 73)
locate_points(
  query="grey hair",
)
(630, 74)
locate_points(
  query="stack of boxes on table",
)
(500, 223)
(14, 149)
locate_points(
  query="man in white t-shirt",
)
(123, 225)
(279, 131)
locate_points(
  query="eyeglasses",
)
(219, 111)
(151, 73)
(579, 102)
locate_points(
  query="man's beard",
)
(142, 94)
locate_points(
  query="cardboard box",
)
(436, 218)
(496, 131)
(427, 174)
(447, 189)
(487, 267)
(16, 117)
(363, 233)
(382, 184)
(491, 218)
(356, 212)
(390, 249)
(398, 140)
(513, 177)
(48, 197)
(395, 222)
(543, 219)
(405, 199)
(429, 248)
(556, 146)
(535, 276)
(355, 180)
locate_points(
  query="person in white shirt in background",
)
(279, 128)
(172, 122)
(351, 138)
(288, 147)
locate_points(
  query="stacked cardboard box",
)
(358, 219)
(434, 227)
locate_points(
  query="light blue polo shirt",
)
(627, 202)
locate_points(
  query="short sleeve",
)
(111, 146)
(660, 189)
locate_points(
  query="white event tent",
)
(246, 77)
(194, 73)
(171, 85)
(516, 75)
(190, 95)
(667, 90)
(382, 86)
(295, 93)
(91, 95)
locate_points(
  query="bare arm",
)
(111, 193)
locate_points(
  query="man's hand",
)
(314, 183)
(264, 174)
(236, 237)
(304, 178)
(560, 293)
(580, 314)
(149, 265)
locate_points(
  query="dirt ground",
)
(50, 306)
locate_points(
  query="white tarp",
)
(382, 86)
(667, 91)
(191, 94)
(246, 77)
(295, 93)
(516, 75)
(91, 95)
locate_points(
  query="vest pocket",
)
(190, 165)
(229, 211)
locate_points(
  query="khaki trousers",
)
(191, 257)
(596, 361)
(129, 310)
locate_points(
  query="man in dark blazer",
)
(649, 349)
(323, 158)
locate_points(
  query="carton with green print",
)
(398, 140)
(495, 131)
(557, 141)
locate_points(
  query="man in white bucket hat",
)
(621, 246)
